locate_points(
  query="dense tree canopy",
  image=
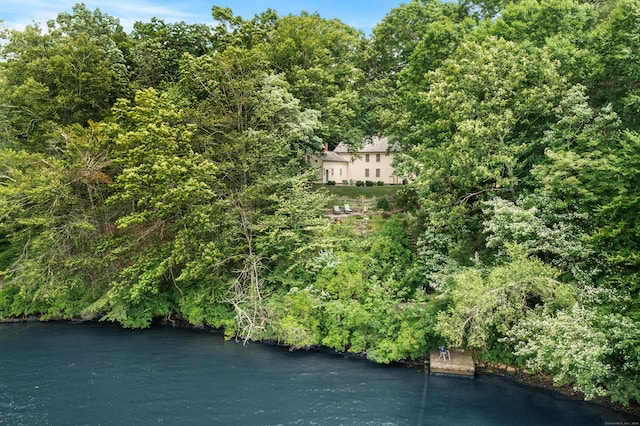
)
(161, 175)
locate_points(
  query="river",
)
(100, 374)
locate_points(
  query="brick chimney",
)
(326, 147)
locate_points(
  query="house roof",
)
(376, 144)
(332, 156)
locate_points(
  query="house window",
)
(366, 158)
(340, 171)
(366, 172)
(377, 172)
(331, 172)
(377, 158)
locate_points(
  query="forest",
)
(160, 175)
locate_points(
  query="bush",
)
(383, 203)
(331, 182)
(380, 183)
(369, 183)
(359, 183)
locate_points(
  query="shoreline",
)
(540, 381)
(508, 372)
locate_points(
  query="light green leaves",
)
(485, 303)
(161, 176)
(567, 344)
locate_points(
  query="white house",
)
(373, 161)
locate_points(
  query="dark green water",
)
(98, 374)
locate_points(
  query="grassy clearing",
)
(358, 195)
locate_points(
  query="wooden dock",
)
(461, 364)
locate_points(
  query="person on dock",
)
(444, 353)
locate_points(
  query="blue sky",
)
(361, 14)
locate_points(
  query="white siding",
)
(342, 166)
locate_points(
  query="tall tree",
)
(51, 217)
(479, 127)
(411, 40)
(257, 132)
(161, 186)
(564, 27)
(402, 30)
(157, 47)
(71, 74)
(617, 46)
(592, 168)
(319, 58)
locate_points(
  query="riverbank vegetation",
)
(160, 174)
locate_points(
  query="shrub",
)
(359, 183)
(369, 183)
(331, 182)
(380, 183)
(383, 203)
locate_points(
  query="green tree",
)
(591, 167)
(476, 133)
(71, 74)
(539, 21)
(545, 228)
(51, 218)
(232, 30)
(623, 338)
(405, 28)
(411, 40)
(617, 48)
(257, 132)
(319, 59)
(157, 48)
(567, 344)
(563, 27)
(295, 319)
(102, 29)
(618, 228)
(160, 186)
(487, 303)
